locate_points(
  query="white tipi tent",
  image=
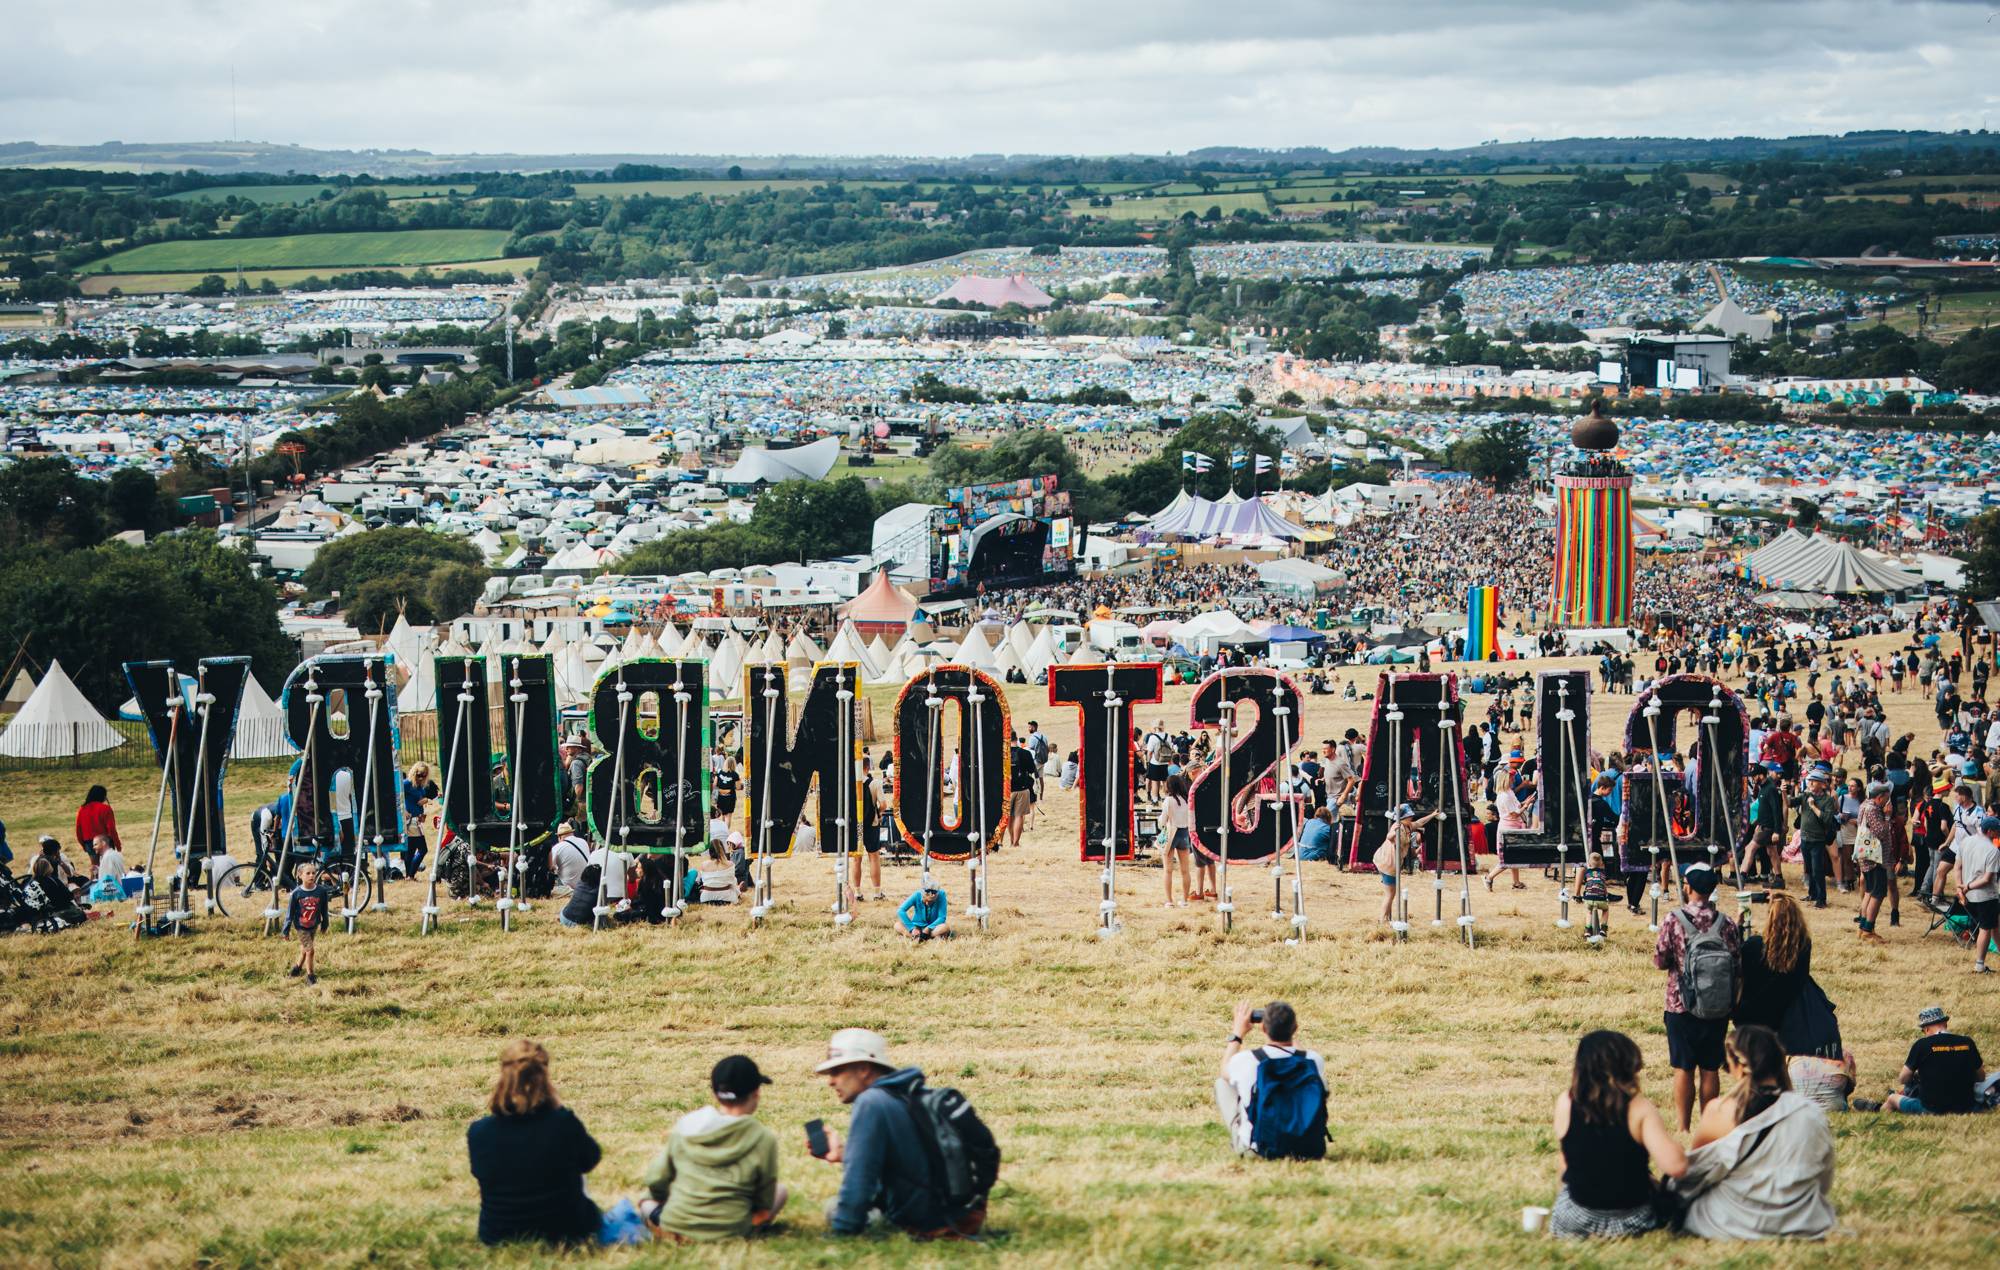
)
(847, 646)
(260, 728)
(57, 723)
(802, 649)
(1044, 654)
(672, 642)
(419, 692)
(18, 691)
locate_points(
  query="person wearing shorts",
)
(1693, 1044)
(1979, 887)
(1156, 763)
(1595, 889)
(307, 914)
(1021, 789)
(1872, 847)
(876, 823)
(1180, 838)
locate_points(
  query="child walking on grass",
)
(308, 915)
(1595, 891)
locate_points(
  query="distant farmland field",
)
(1170, 208)
(253, 193)
(164, 283)
(309, 251)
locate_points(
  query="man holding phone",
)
(717, 1177)
(1236, 1086)
(885, 1169)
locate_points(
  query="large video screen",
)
(1006, 534)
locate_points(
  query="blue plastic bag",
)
(621, 1224)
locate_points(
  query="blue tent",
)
(1282, 634)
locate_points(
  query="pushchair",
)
(25, 904)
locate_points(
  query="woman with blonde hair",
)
(1779, 993)
(529, 1157)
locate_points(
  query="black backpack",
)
(964, 1158)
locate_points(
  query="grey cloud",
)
(898, 76)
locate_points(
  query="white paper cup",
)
(1533, 1219)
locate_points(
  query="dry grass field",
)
(185, 1103)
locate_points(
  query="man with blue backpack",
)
(1272, 1097)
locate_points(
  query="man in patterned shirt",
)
(1694, 1044)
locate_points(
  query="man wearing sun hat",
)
(885, 1168)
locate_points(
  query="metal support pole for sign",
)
(935, 705)
(1719, 783)
(682, 699)
(1394, 717)
(1107, 906)
(760, 895)
(1652, 713)
(451, 766)
(1226, 905)
(508, 901)
(619, 793)
(844, 809)
(273, 922)
(1447, 743)
(976, 865)
(348, 912)
(1564, 718)
(182, 879)
(1283, 714)
(144, 908)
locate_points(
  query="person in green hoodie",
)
(717, 1177)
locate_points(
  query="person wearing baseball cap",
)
(717, 1177)
(885, 1167)
(1695, 1040)
(1941, 1075)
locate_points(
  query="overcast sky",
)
(946, 77)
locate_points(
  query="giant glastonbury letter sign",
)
(340, 713)
(193, 737)
(1562, 773)
(1409, 760)
(648, 791)
(1230, 819)
(465, 758)
(924, 760)
(1107, 754)
(1707, 806)
(825, 748)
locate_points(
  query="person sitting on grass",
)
(1762, 1164)
(307, 914)
(926, 914)
(1611, 1136)
(885, 1176)
(717, 1177)
(1276, 1082)
(716, 881)
(529, 1157)
(1941, 1076)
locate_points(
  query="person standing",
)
(1021, 772)
(1818, 819)
(1979, 888)
(94, 819)
(1701, 951)
(1180, 837)
(1872, 844)
(418, 788)
(307, 913)
(1038, 745)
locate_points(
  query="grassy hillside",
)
(293, 251)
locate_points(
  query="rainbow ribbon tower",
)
(1482, 622)
(1594, 553)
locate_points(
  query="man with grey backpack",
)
(1701, 951)
(914, 1157)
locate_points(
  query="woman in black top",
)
(529, 1157)
(1610, 1133)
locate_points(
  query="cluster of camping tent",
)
(1801, 571)
(55, 720)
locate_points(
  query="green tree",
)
(132, 500)
(48, 503)
(1982, 563)
(1502, 451)
(453, 589)
(179, 598)
(344, 564)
